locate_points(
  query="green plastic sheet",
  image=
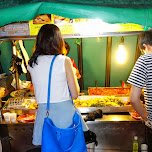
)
(108, 3)
(28, 10)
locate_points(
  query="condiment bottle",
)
(135, 144)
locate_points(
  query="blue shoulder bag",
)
(56, 139)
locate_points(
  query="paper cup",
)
(144, 147)
(6, 117)
(13, 117)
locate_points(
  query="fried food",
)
(109, 101)
(2, 92)
(29, 104)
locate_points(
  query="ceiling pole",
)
(67, 36)
(138, 53)
(80, 64)
(108, 61)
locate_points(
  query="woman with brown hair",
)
(49, 42)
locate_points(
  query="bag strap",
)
(49, 86)
(49, 83)
(70, 95)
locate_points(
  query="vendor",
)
(66, 52)
(141, 77)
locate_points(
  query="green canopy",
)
(110, 11)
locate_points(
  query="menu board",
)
(80, 26)
(38, 22)
(15, 29)
(67, 26)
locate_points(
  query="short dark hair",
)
(67, 47)
(146, 38)
(49, 41)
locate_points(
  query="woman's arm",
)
(71, 78)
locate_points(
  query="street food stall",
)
(115, 127)
(119, 123)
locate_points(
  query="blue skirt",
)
(61, 114)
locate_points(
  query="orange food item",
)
(26, 118)
(135, 115)
(108, 91)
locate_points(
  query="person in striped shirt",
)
(141, 77)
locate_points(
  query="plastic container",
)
(7, 117)
(144, 148)
(91, 147)
(135, 144)
(13, 117)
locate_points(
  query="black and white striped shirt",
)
(141, 77)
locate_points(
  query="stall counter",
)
(114, 133)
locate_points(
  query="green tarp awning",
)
(116, 11)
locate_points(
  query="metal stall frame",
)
(109, 36)
(102, 127)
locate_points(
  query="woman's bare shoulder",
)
(67, 60)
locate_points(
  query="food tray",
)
(17, 103)
(26, 118)
(107, 109)
(109, 91)
(23, 93)
(83, 110)
(110, 109)
(86, 97)
(135, 115)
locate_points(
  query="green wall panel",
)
(120, 72)
(29, 45)
(94, 61)
(73, 53)
(6, 56)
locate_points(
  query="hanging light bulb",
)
(121, 53)
(14, 50)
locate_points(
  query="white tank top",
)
(40, 75)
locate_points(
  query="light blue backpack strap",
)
(49, 84)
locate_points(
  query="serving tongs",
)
(122, 85)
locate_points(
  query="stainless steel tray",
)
(107, 109)
(81, 109)
(16, 103)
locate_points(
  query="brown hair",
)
(48, 42)
(146, 38)
(67, 47)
